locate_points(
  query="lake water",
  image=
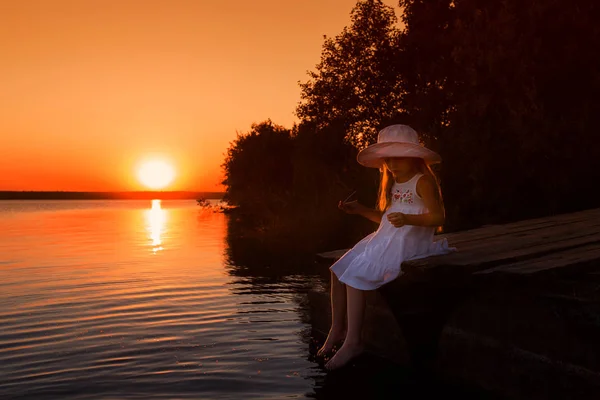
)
(140, 299)
(160, 300)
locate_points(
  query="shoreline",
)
(125, 195)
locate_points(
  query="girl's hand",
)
(397, 219)
(350, 207)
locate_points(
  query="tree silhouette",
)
(509, 90)
(506, 90)
(355, 85)
(258, 169)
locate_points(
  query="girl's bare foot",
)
(334, 337)
(344, 355)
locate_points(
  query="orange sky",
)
(88, 88)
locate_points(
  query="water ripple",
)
(91, 311)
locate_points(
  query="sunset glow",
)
(90, 86)
(156, 219)
(156, 174)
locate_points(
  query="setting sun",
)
(156, 174)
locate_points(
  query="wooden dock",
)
(516, 310)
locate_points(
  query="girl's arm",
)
(369, 213)
(354, 207)
(428, 190)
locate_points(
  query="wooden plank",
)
(483, 259)
(522, 226)
(512, 243)
(508, 246)
(473, 237)
(518, 245)
(555, 232)
(526, 225)
(530, 240)
(561, 259)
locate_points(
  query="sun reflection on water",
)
(156, 221)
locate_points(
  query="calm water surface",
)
(143, 299)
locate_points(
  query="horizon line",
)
(111, 191)
(115, 195)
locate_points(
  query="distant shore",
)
(140, 195)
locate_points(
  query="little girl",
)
(409, 209)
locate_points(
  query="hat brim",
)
(374, 155)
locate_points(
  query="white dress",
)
(377, 259)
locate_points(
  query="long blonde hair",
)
(384, 199)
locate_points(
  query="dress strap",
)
(414, 180)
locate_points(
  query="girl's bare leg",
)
(338, 315)
(353, 345)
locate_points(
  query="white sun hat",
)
(396, 141)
